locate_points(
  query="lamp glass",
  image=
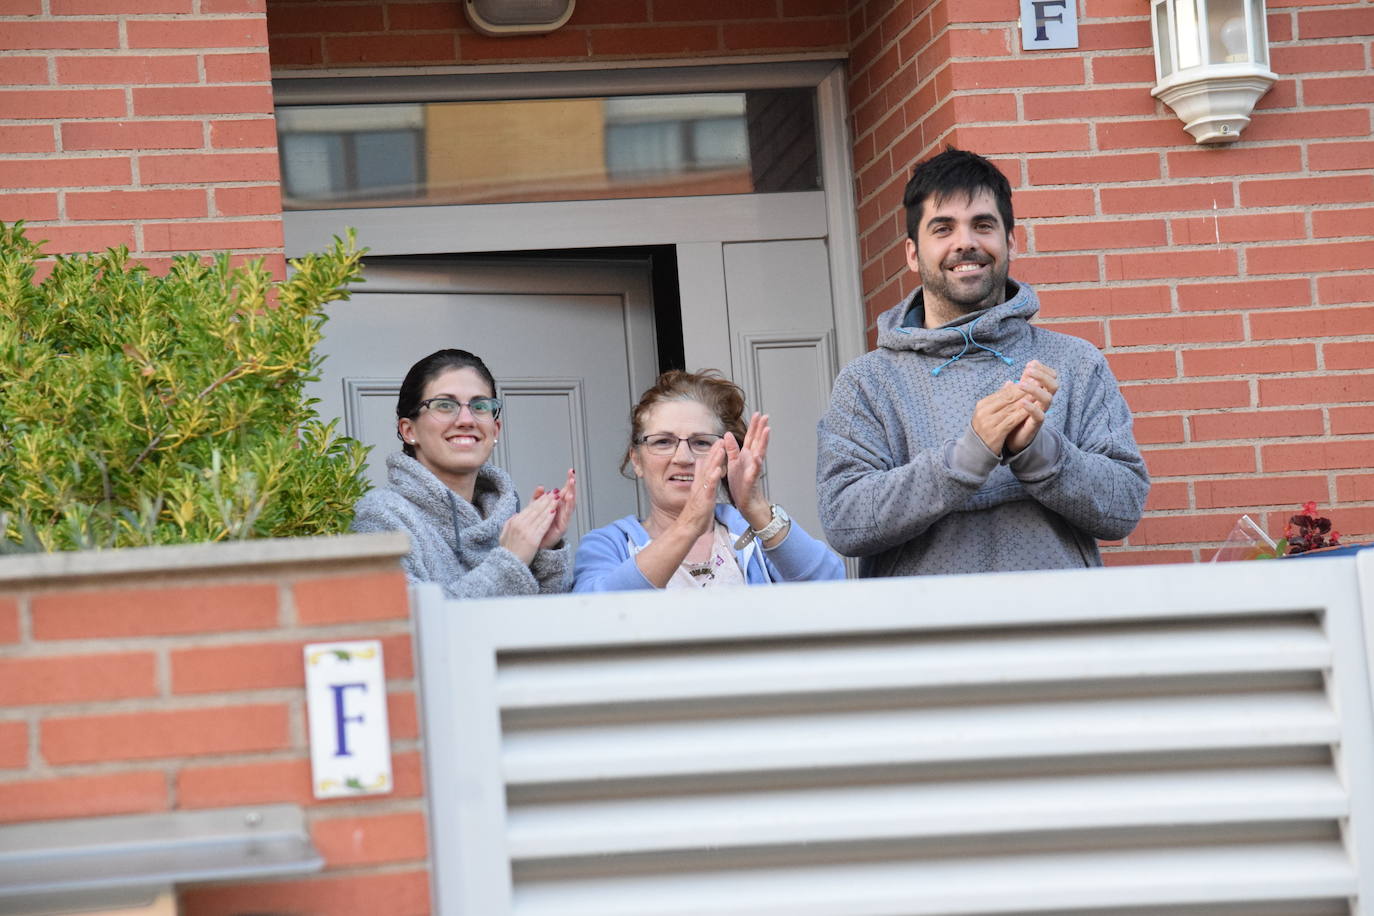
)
(1189, 34)
(1259, 33)
(519, 12)
(1228, 33)
(1164, 55)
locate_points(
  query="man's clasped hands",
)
(1008, 419)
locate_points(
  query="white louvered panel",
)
(1337, 907)
(937, 808)
(1185, 742)
(808, 740)
(898, 662)
(964, 886)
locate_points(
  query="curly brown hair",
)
(708, 387)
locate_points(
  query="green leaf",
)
(137, 409)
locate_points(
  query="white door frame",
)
(476, 228)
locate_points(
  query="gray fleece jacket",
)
(454, 542)
(904, 483)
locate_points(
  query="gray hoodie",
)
(905, 483)
(454, 542)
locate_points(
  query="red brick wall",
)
(157, 692)
(1235, 312)
(1229, 287)
(148, 127)
(348, 33)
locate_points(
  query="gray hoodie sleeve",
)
(553, 569)
(1097, 480)
(867, 502)
(499, 573)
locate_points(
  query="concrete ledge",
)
(184, 558)
(46, 866)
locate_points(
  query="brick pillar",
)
(149, 127)
(174, 680)
(900, 99)
(1227, 285)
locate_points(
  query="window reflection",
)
(656, 136)
(548, 149)
(359, 153)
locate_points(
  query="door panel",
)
(705, 315)
(552, 413)
(783, 355)
(571, 343)
(788, 376)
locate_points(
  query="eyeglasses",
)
(482, 408)
(666, 443)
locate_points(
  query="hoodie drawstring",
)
(969, 342)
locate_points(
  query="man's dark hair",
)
(955, 171)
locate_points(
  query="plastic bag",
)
(1247, 541)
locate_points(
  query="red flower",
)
(1309, 531)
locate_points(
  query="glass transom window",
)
(421, 153)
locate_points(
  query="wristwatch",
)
(780, 520)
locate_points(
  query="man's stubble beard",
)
(990, 293)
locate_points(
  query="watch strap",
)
(767, 532)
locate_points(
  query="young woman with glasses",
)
(467, 530)
(687, 439)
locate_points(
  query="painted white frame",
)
(470, 767)
(686, 221)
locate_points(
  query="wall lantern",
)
(1211, 63)
(517, 17)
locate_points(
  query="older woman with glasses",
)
(687, 438)
(467, 530)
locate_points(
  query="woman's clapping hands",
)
(700, 511)
(566, 498)
(542, 523)
(745, 470)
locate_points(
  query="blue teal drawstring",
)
(969, 342)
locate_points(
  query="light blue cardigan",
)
(605, 562)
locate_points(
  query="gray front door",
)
(571, 344)
(772, 330)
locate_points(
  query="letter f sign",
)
(1042, 15)
(1047, 24)
(341, 720)
(345, 707)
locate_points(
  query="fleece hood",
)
(637, 537)
(984, 333)
(605, 557)
(454, 542)
(471, 528)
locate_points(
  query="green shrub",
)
(137, 409)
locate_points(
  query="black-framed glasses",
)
(482, 408)
(666, 443)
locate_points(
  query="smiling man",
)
(971, 440)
